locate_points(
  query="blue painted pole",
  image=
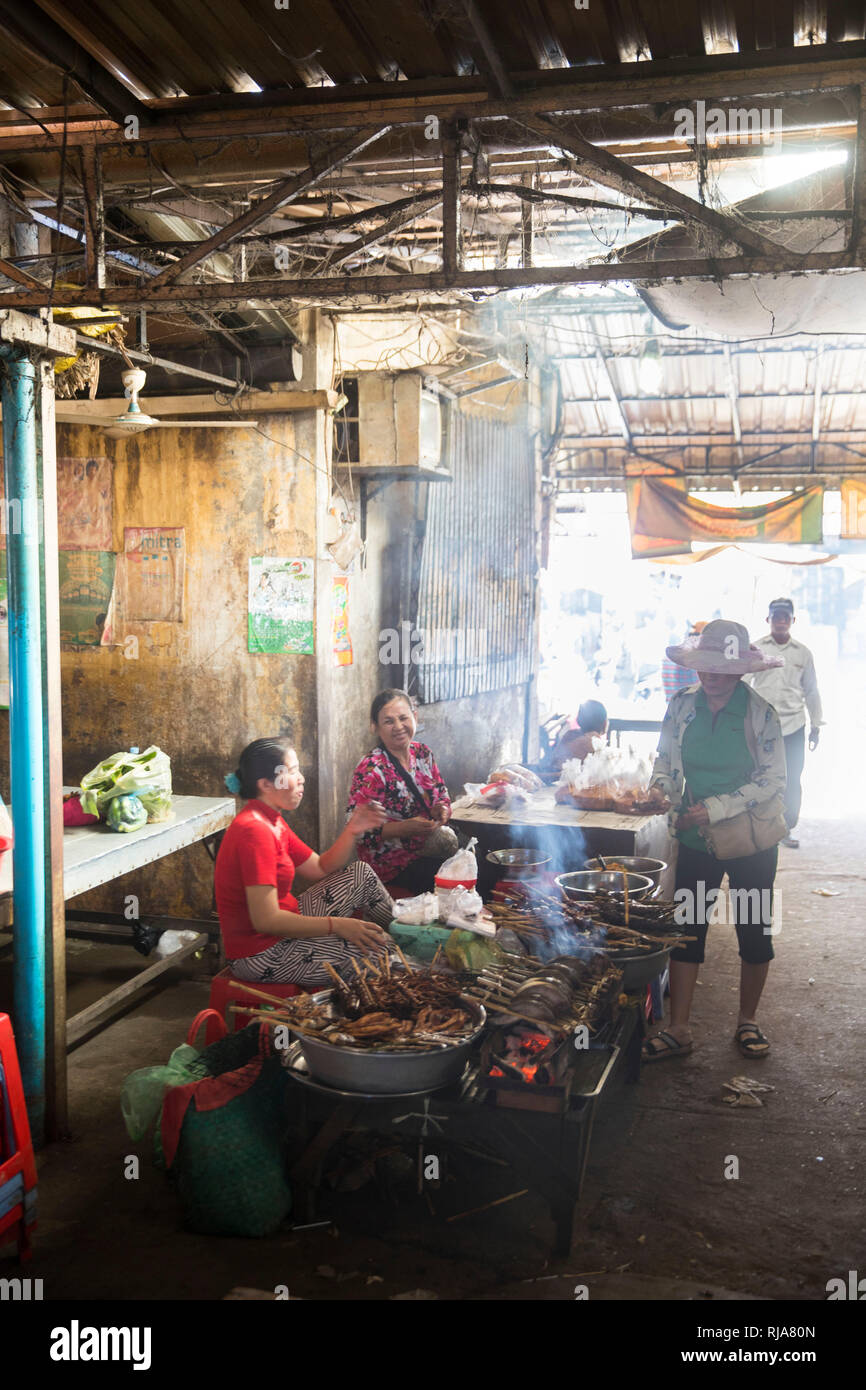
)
(25, 724)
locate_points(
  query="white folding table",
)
(94, 855)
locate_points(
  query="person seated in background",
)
(400, 777)
(675, 677)
(580, 742)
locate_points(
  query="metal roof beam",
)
(318, 168)
(94, 218)
(731, 391)
(816, 404)
(493, 64)
(354, 287)
(417, 208)
(451, 253)
(20, 277)
(613, 394)
(600, 166)
(723, 77)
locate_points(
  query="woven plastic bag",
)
(147, 775)
(228, 1156)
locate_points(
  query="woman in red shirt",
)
(268, 933)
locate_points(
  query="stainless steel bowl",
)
(518, 863)
(633, 864)
(390, 1073)
(580, 886)
(640, 969)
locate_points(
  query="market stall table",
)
(94, 855)
(566, 834)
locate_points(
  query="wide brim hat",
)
(724, 649)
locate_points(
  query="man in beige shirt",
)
(792, 689)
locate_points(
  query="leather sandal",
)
(751, 1041)
(671, 1047)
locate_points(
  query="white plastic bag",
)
(171, 941)
(417, 912)
(464, 902)
(462, 865)
(498, 795)
(462, 908)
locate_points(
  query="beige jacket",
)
(764, 737)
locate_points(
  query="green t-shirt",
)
(716, 757)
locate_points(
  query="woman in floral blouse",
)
(401, 776)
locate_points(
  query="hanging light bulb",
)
(649, 373)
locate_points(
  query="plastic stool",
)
(17, 1165)
(225, 991)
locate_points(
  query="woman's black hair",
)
(384, 698)
(592, 717)
(261, 759)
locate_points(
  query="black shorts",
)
(751, 901)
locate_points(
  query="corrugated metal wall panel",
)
(475, 598)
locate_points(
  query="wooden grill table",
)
(546, 1152)
(94, 855)
(565, 833)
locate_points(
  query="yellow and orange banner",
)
(665, 514)
(656, 546)
(853, 509)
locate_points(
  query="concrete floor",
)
(658, 1217)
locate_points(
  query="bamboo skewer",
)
(260, 994)
(402, 957)
(498, 1203)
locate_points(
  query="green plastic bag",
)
(126, 813)
(142, 1093)
(146, 775)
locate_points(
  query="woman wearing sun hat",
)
(721, 765)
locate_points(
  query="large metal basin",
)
(633, 864)
(387, 1073)
(641, 968)
(519, 863)
(581, 886)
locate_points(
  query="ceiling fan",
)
(134, 420)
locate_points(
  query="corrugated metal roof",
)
(775, 387)
(199, 48)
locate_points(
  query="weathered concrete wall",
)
(469, 737)
(195, 689)
(345, 692)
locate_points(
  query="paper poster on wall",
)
(341, 641)
(152, 584)
(84, 504)
(281, 606)
(86, 581)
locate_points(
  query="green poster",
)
(281, 606)
(86, 582)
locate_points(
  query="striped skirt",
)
(301, 960)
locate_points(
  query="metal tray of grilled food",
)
(390, 1071)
